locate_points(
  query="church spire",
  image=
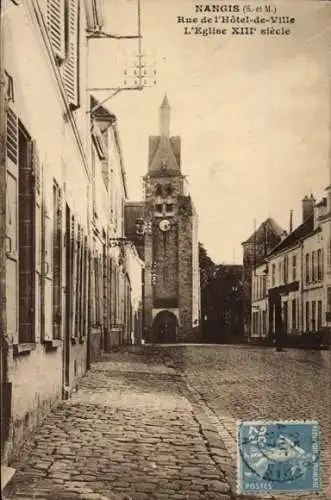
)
(165, 117)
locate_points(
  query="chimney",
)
(328, 191)
(283, 235)
(308, 204)
(291, 221)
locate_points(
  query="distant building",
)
(291, 289)
(255, 248)
(169, 225)
(222, 306)
(116, 268)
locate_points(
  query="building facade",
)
(291, 291)
(69, 292)
(255, 248)
(259, 302)
(116, 274)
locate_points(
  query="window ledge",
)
(52, 344)
(24, 348)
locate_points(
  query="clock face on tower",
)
(164, 225)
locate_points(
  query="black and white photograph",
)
(165, 254)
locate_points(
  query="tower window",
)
(169, 190)
(169, 207)
(158, 208)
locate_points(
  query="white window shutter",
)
(37, 176)
(36, 172)
(48, 275)
(55, 21)
(12, 267)
(70, 68)
(73, 291)
(12, 136)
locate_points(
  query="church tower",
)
(172, 286)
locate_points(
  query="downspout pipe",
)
(3, 312)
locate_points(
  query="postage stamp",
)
(279, 456)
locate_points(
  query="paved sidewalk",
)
(132, 431)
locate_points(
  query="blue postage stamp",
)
(279, 456)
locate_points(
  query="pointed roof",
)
(164, 154)
(268, 229)
(299, 233)
(164, 150)
(165, 102)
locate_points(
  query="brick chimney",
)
(308, 204)
(328, 191)
(291, 221)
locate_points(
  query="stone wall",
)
(185, 278)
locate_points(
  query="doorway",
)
(164, 328)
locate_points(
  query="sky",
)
(253, 112)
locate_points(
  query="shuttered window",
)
(57, 262)
(56, 24)
(47, 326)
(37, 187)
(12, 271)
(85, 286)
(70, 67)
(62, 21)
(26, 240)
(12, 136)
(73, 275)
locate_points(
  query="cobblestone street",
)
(158, 422)
(246, 383)
(129, 432)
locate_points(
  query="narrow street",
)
(247, 383)
(129, 430)
(158, 422)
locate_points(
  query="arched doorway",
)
(164, 327)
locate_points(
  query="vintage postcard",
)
(165, 256)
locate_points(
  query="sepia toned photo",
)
(165, 256)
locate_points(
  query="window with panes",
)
(294, 267)
(307, 317)
(319, 264)
(313, 315)
(307, 267)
